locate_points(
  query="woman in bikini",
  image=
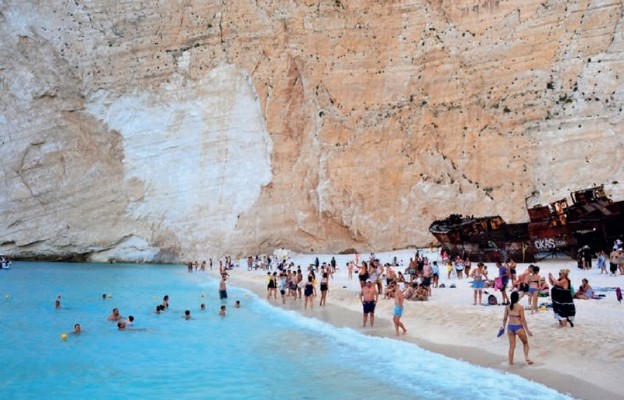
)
(517, 327)
(534, 288)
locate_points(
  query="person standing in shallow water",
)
(517, 328)
(222, 288)
(369, 297)
(398, 309)
(324, 288)
(309, 293)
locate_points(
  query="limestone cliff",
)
(165, 131)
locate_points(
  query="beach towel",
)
(498, 283)
(563, 304)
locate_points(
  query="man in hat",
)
(369, 297)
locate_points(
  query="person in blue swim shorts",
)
(398, 309)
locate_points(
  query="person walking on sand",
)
(324, 289)
(398, 309)
(503, 275)
(309, 293)
(479, 277)
(369, 297)
(517, 328)
(534, 287)
(272, 285)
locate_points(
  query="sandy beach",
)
(585, 361)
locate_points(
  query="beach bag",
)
(492, 300)
(618, 294)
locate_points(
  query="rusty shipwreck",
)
(591, 219)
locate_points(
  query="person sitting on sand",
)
(422, 294)
(409, 291)
(585, 291)
(544, 288)
(517, 327)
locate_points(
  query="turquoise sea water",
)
(255, 352)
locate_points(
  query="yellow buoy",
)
(543, 308)
(63, 336)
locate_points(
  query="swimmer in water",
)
(115, 316)
(237, 304)
(77, 329)
(121, 325)
(222, 311)
(57, 302)
(187, 314)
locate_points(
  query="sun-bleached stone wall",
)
(165, 131)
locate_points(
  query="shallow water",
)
(255, 352)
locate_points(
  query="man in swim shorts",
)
(222, 288)
(369, 297)
(398, 309)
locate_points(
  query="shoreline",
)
(343, 310)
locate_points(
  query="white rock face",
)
(195, 153)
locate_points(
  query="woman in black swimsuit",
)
(309, 293)
(324, 288)
(363, 274)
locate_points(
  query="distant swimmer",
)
(222, 311)
(104, 296)
(121, 325)
(77, 329)
(165, 302)
(115, 316)
(187, 314)
(222, 288)
(159, 309)
(130, 320)
(57, 302)
(202, 307)
(237, 304)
